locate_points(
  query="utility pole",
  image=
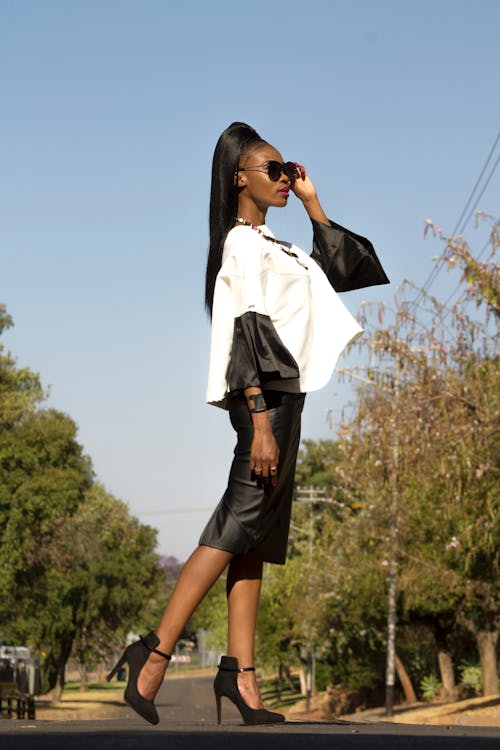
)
(390, 672)
(310, 496)
(310, 655)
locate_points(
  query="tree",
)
(43, 478)
(211, 616)
(20, 388)
(316, 465)
(411, 486)
(76, 569)
(109, 559)
(426, 434)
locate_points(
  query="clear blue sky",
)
(110, 113)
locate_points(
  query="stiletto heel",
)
(136, 655)
(117, 666)
(226, 685)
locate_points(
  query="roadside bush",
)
(471, 679)
(430, 687)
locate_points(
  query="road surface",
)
(188, 722)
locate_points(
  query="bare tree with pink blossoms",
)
(422, 449)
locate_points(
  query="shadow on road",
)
(290, 736)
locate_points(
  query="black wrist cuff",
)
(258, 403)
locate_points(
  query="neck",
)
(252, 213)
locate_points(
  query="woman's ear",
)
(239, 179)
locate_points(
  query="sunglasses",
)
(274, 170)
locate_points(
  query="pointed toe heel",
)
(226, 685)
(136, 655)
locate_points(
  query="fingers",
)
(265, 474)
(301, 170)
(264, 459)
(303, 186)
(273, 476)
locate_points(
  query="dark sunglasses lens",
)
(274, 169)
(290, 170)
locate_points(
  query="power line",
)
(480, 194)
(439, 264)
(437, 268)
(476, 186)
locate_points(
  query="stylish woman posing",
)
(277, 330)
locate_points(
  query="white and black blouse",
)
(277, 321)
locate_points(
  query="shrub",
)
(471, 678)
(430, 687)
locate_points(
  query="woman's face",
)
(255, 185)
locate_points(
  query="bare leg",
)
(244, 580)
(197, 576)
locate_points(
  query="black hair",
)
(224, 196)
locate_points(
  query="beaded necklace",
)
(271, 239)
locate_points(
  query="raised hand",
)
(305, 191)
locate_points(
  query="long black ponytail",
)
(224, 196)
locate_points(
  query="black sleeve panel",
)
(348, 260)
(258, 355)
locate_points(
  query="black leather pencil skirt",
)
(249, 518)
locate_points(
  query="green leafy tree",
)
(43, 479)
(211, 616)
(76, 570)
(316, 465)
(20, 388)
(107, 571)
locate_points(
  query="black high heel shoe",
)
(136, 656)
(226, 685)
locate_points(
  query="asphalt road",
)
(188, 722)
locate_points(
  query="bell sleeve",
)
(348, 260)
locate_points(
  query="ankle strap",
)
(236, 669)
(147, 641)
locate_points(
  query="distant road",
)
(188, 722)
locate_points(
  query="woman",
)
(277, 330)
